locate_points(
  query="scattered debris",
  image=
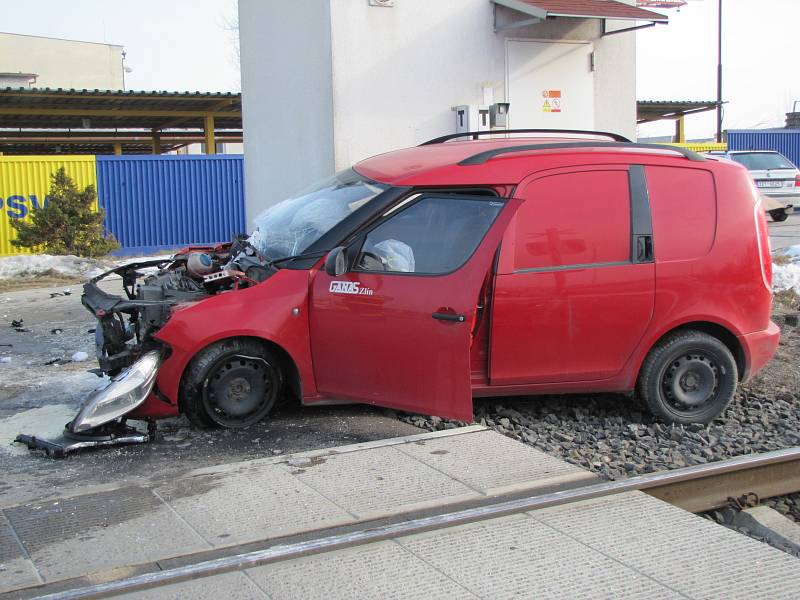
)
(80, 356)
(17, 323)
(57, 330)
(96, 371)
(56, 361)
(5, 359)
(92, 330)
(57, 294)
(6, 345)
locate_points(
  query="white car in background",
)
(776, 178)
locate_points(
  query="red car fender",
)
(653, 335)
(275, 310)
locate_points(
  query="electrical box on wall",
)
(498, 113)
(471, 117)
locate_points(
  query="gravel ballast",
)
(614, 436)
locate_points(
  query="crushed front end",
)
(126, 347)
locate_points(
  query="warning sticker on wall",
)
(552, 101)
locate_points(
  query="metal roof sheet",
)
(595, 9)
(110, 109)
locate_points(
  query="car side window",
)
(433, 236)
(573, 219)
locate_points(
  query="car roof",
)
(433, 164)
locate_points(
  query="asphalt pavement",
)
(39, 398)
(783, 235)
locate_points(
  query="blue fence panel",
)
(785, 141)
(160, 202)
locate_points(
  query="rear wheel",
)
(778, 215)
(688, 377)
(232, 384)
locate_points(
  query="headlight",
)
(125, 392)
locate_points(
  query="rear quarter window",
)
(684, 206)
(571, 219)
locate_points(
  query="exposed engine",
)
(153, 288)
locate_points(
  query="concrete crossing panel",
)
(74, 536)
(494, 464)
(694, 556)
(254, 502)
(229, 586)
(16, 570)
(379, 482)
(518, 557)
(381, 571)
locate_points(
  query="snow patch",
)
(33, 265)
(786, 276)
(79, 356)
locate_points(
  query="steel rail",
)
(779, 463)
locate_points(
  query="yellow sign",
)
(24, 184)
(552, 101)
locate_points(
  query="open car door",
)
(395, 330)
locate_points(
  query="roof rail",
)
(439, 140)
(481, 157)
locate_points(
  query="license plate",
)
(769, 184)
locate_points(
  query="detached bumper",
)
(759, 348)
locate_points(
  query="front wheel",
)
(779, 215)
(688, 377)
(231, 384)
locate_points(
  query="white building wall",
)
(62, 63)
(287, 99)
(398, 71)
(327, 83)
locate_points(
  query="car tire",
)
(778, 215)
(232, 384)
(688, 377)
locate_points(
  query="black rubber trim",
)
(642, 247)
(641, 220)
(575, 267)
(482, 157)
(474, 134)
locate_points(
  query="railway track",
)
(697, 489)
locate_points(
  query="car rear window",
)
(684, 206)
(762, 161)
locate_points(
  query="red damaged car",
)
(560, 262)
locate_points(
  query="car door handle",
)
(644, 248)
(443, 316)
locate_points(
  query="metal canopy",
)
(659, 110)
(75, 116)
(537, 11)
(42, 141)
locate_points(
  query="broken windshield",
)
(290, 227)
